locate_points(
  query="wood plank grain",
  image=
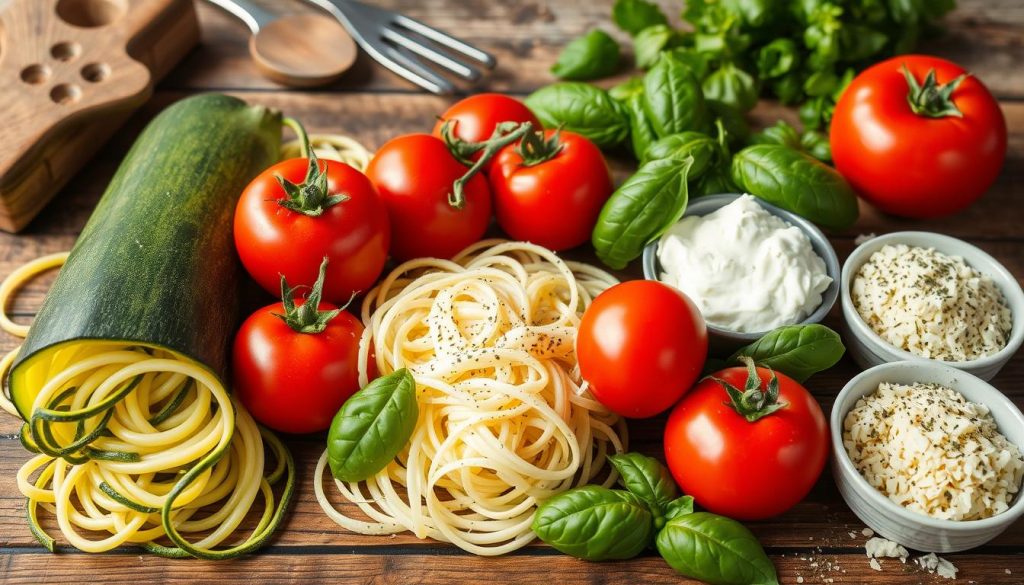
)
(393, 566)
(822, 520)
(526, 37)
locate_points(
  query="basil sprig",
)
(798, 351)
(597, 523)
(372, 427)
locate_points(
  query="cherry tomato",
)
(741, 469)
(476, 116)
(414, 175)
(641, 345)
(925, 163)
(294, 368)
(273, 239)
(554, 197)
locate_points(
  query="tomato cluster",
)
(423, 195)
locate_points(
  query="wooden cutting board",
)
(71, 73)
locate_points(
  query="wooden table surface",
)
(819, 541)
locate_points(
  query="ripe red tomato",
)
(295, 382)
(740, 469)
(553, 197)
(640, 346)
(476, 116)
(273, 239)
(914, 164)
(414, 175)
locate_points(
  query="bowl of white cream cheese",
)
(749, 266)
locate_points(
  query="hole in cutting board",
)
(95, 72)
(35, 74)
(65, 93)
(90, 13)
(65, 51)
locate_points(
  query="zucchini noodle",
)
(504, 419)
(138, 444)
(331, 146)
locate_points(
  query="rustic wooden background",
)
(819, 541)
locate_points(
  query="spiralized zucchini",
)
(138, 444)
(333, 147)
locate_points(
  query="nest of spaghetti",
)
(504, 422)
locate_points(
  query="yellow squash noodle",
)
(331, 147)
(504, 419)
(140, 445)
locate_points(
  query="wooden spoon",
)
(299, 50)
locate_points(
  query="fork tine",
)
(446, 40)
(451, 64)
(404, 64)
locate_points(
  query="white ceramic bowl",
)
(868, 349)
(888, 518)
(725, 339)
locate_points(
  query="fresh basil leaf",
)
(820, 83)
(755, 13)
(734, 122)
(781, 133)
(696, 62)
(627, 89)
(816, 112)
(716, 180)
(679, 507)
(702, 148)
(790, 88)
(798, 351)
(595, 523)
(859, 42)
(640, 210)
(797, 182)
(816, 144)
(732, 86)
(673, 99)
(583, 109)
(716, 550)
(650, 42)
(591, 56)
(777, 58)
(646, 478)
(372, 427)
(641, 134)
(634, 16)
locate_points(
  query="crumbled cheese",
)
(864, 238)
(799, 579)
(875, 564)
(930, 450)
(879, 547)
(937, 565)
(868, 532)
(853, 535)
(930, 304)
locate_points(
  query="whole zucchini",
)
(155, 265)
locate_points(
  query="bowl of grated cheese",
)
(927, 296)
(928, 456)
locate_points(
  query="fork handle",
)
(253, 15)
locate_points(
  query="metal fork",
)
(396, 41)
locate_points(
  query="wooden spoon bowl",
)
(303, 50)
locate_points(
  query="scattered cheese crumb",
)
(864, 238)
(799, 579)
(932, 451)
(853, 535)
(937, 565)
(868, 532)
(1008, 571)
(875, 564)
(879, 547)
